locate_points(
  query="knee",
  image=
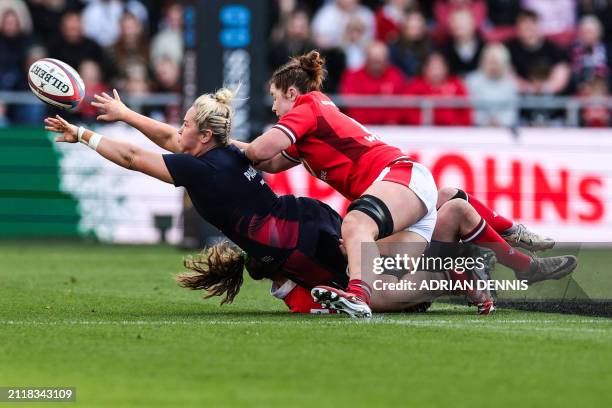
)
(455, 209)
(357, 224)
(445, 194)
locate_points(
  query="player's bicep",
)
(152, 164)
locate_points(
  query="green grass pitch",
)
(111, 322)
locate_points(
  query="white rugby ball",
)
(56, 83)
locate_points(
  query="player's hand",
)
(111, 108)
(342, 248)
(60, 125)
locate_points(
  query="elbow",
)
(130, 158)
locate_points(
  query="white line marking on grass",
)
(484, 323)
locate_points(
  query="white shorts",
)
(423, 185)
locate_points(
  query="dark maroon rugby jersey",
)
(228, 193)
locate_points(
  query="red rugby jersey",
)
(334, 147)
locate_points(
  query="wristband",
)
(94, 141)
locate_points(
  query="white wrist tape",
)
(80, 133)
(94, 141)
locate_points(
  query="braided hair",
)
(214, 112)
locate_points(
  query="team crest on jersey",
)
(323, 175)
(372, 138)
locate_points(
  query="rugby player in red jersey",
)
(392, 197)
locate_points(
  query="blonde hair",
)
(214, 112)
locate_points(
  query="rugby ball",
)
(56, 83)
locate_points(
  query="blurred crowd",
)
(134, 46)
(491, 52)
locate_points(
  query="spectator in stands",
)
(389, 18)
(443, 9)
(590, 58)
(355, 43)
(435, 81)
(14, 44)
(73, 47)
(412, 46)
(595, 114)
(376, 77)
(462, 51)
(493, 89)
(21, 11)
(46, 18)
(293, 36)
(292, 39)
(168, 42)
(135, 80)
(602, 9)
(541, 67)
(557, 18)
(102, 18)
(132, 45)
(330, 21)
(167, 75)
(91, 73)
(167, 79)
(280, 14)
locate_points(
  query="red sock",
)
(498, 222)
(487, 237)
(299, 300)
(361, 289)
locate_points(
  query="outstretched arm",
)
(124, 154)
(112, 109)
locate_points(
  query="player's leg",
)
(387, 207)
(452, 221)
(515, 234)
(473, 228)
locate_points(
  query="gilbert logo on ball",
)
(56, 83)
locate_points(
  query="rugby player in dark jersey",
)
(227, 191)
